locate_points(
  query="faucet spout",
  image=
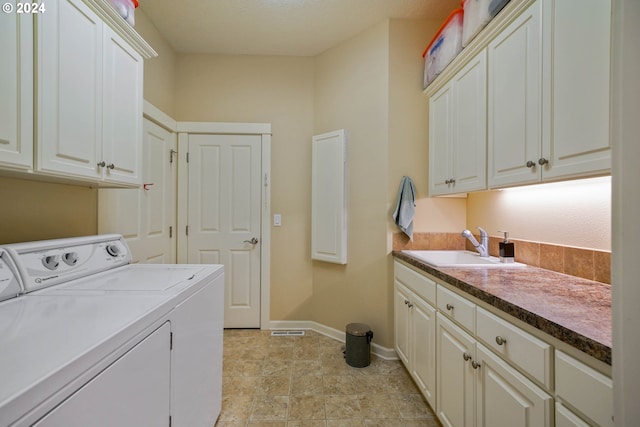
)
(482, 248)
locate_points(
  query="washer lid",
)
(48, 341)
(139, 278)
(9, 281)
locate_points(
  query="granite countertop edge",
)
(592, 347)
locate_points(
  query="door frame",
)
(264, 131)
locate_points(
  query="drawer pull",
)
(500, 340)
(475, 364)
(466, 356)
(449, 307)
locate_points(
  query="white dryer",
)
(91, 290)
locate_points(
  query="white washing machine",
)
(95, 340)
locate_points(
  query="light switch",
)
(277, 220)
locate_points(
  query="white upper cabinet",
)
(71, 94)
(549, 94)
(16, 91)
(579, 140)
(89, 98)
(457, 131)
(547, 102)
(122, 110)
(515, 89)
(69, 69)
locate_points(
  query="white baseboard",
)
(308, 325)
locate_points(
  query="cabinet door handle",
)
(111, 166)
(449, 307)
(102, 164)
(447, 181)
(410, 305)
(531, 164)
(406, 302)
(543, 161)
(475, 364)
(500, 340)
(466, 356)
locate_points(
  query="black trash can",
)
(358, 345)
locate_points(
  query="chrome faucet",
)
(482, 248)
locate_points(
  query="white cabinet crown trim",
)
(121, 27)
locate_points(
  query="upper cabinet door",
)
(458, 131)
(69, 89)
(16, 90)
(440, 141)
(579, 141)
(122, 107)
(515, 101)
(470, 126)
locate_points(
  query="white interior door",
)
(224, 217)
(146, 217)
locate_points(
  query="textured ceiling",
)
(277, 27)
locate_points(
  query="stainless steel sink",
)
(461, 259)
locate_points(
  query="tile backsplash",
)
(586, 263)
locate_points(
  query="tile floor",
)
(304, 381)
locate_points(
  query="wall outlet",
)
(277, 220)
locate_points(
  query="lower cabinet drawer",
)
(566, 418)
(457, 308)
(515, 345)
(424, 287)
(585, 389)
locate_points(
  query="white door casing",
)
(225, 211)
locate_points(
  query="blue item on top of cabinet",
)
(477, 14)
(444, 46)
(496, 6)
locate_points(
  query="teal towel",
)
(405, 209)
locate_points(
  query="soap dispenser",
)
(507, 251)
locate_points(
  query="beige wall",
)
(266, 89)
(572, 213)
(159, 72)
(370, 86)
(352, 93)
(408, 148)
(33, 210)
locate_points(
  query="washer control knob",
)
(113, 250)
(70, 258)
(51, 262)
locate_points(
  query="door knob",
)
(253, 241)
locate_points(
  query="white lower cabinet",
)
(566, 418)
(586, 390)
(415, 328)
(455, 387)
(488, 371)
(505, 397)
(476, 388)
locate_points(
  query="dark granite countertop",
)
(574, 310)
